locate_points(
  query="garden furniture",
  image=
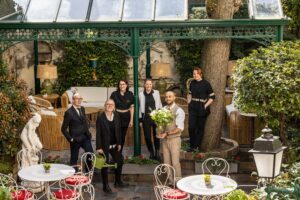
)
(196, 185)
(50, 97)
(84, 176)
(37, 173)
(17, 192)
(164, 175)
(216, 166)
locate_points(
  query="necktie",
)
(79, 112)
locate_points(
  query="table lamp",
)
(47, 72)
(161, 71)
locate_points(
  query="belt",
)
(122, 111)
(201, 100)
(112, 146)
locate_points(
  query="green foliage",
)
(292, 9)
(5, 193)
(74, 70)
(5, 167)
(14, 112)
(267, 82)
(52, 159)
(187, 55)
(47, 166)
(140, 160)
(237, 195)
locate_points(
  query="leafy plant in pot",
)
(47, 167)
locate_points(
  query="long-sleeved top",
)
(157, 100)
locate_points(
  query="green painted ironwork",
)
(37, 83)
(148, 61)
(135, 37)
(135, 52)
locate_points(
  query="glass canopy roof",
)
(94, 10)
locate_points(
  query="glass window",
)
(106, 10)
(138, 10)
(42, 10)
(73, 10)
(265, 9)
(13, 10)
(171, 10)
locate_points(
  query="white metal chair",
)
(83, 178)
(17, 192)
(164, 175)
(62, 192)
(23, 154)
(216, 166)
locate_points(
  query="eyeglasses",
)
(77, 98)
(110, 104)
(122, 84)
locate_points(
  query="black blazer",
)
(74, 126)
(103, 131)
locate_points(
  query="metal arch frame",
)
(134, 37)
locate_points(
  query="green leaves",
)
(267, 82)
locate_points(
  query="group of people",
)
(113, 123)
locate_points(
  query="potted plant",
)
(47, 167)
(237, 195)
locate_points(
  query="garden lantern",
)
(267, 152)
(93, 63)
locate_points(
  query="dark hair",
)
(199, 70)
(148, 79)
(125, 81)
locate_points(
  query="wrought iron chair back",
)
(25, 152)
(16, 191)
(88, 164)
(215, 166)
(164, 175)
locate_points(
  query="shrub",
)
(14, 112)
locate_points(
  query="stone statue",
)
(31, 143)
(31, 146)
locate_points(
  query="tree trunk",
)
(283, 130)
(214, 63)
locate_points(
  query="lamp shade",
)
(267, 153)
(47, 71)
(161, 70)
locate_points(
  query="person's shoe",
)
(121, 184)
(152, 157)
(107, 189)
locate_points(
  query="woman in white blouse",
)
(149, 101)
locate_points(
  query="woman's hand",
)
(119, 147)
(161, 135)
(130, 124)
(100, 151)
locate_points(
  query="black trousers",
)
(196, 130)
(117, 158)
(125, 119)
(149, 125)
(75, 146)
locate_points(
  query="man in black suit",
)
(75, 129)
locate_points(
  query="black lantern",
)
(267, 153)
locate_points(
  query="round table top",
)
(37, 172)
(195, 185)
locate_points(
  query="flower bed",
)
(139, 165)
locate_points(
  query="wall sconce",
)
(93, 63)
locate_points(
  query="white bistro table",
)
(36, 173)
(195, 185)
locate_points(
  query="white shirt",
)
(77, 110)
(180, 116)
(157, 100)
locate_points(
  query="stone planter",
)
(138, 169)
(233, 168)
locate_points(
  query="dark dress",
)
(123, 102)
(200, 91)
(108, 137)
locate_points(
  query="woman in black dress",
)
(108, 141)
(199, 98)
(124, 101)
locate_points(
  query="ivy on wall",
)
(74, 70)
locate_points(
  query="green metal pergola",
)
(133, 36)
